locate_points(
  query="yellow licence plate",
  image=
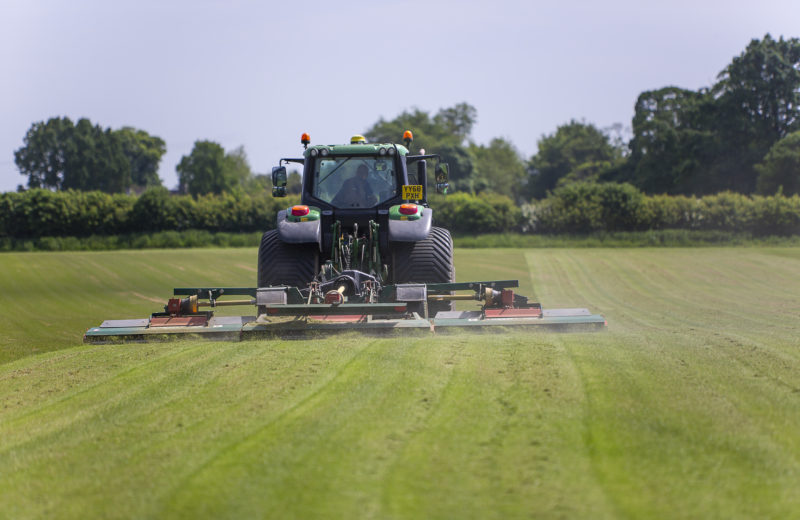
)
(412, 192)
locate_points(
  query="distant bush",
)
(463, 213)
(585, 207)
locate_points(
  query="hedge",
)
(578, 208)
(38, 213)
(592, 207)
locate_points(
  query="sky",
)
(258, 74)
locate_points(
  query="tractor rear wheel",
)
(280, 263)
(427, 261)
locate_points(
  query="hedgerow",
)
(585, 207)
(578, 208)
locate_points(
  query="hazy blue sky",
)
(259, 74)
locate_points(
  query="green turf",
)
(688, 407)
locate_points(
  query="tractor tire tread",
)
(427, 261)
(280, 263)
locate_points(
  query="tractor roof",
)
(356, 149)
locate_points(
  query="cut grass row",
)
(688, 407)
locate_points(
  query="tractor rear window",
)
(354, 181)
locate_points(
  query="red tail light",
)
(300, 211)
(408, 209)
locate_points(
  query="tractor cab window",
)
(354, 182)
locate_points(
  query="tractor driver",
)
(356, 191)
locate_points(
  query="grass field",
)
(688, 407)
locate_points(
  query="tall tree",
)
(761, 88)
(449, 127)
(577, 151)
(672, 145)
(203, 170)
(237, 166)
(58, 154)
(457, 120)
(98, 161)
(144, 153)
(208, 169)
(758, 103)
(499, 167)
(44, 154)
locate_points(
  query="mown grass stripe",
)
(684, 408)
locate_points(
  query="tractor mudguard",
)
(411, 230)
(299, 232)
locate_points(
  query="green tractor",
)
(364, 216)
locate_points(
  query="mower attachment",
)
(354, 302)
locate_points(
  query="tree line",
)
(741, 134)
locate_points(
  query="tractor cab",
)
(360, 175)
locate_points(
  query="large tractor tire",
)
(426, 261)
(280, 263)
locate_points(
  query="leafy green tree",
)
(97, 160)
(576, 151)
(707, 141)
(457, 120)
(59, 154)
(237, 166)
(757, 103)
(44, 155)
(144, 153)
(449, 127)
(208, 169)
(672, 145)
(203, 170)
(499, 168)
(761, 87)
(780, 170)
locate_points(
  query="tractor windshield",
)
(354, 181)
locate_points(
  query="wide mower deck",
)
(294, 312)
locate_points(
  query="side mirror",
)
(442, 174)
(279, 181)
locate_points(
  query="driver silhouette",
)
(356, 191)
